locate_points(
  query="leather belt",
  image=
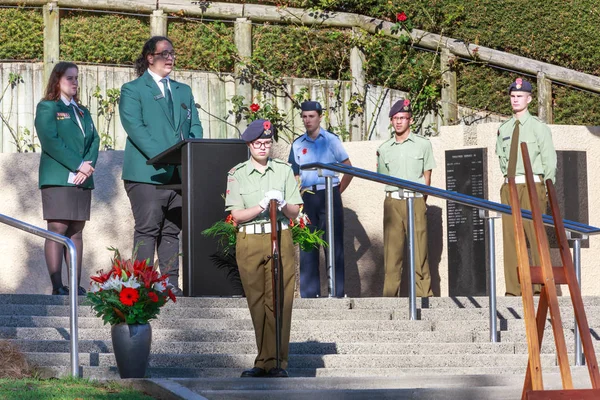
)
(403, 194)
(252, 229)
(521, 179)
(315, 188)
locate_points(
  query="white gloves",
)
(273, 195)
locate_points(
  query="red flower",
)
(267, 125)
(254, 107)
(172, 296)
(401, 17)
(153, 296)
(519, 81)
(406, 103)
(304, 150)
(129, 296)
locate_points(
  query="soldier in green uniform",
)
(538, 137)
(406, 156)
(250, 187)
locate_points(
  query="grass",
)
(66, 389)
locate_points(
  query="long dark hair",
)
(141, 64)
(53, 87)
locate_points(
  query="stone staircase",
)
(363, 337)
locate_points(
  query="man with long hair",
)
(156, 112)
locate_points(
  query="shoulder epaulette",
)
(232, 170)
(279, 161)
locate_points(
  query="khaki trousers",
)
(252, 254)
(395, 229)
(511, 274)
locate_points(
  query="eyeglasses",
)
(165, 54)
(260, 145)
(401, 119)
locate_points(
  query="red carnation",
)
(267, 125)
(153, 296)
(304, 150)
(129, 296)
(401, 17)
(254, 107)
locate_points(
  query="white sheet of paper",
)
(71, 178)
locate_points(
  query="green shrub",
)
(21, 34)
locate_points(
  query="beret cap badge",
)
(519, 83)
(267, 127)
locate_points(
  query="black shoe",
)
(254, 373)
(81, 291)
(61, 291)
(177, 292)
(277, 373)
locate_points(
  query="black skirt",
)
(69, 203)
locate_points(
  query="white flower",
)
(95, 287)
(113, 283)
(131, 283)
(161, 286)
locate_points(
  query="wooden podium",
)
(203, 166)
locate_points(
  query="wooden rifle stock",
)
(277, 283)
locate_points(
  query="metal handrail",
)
(68, 243)
(572, 227)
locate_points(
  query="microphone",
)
(198, 106)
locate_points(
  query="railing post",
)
(544, 98)
(243, 43)
(491, 236)
(577, 264)
(158, 23)
(330, 237)
(357, 61)
(449, 95)
(412, 292)
(51, 37)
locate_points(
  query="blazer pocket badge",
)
(189, 113)
(159, 96)
(62, 115)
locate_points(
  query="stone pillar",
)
(449, 96)
(357, 61)
(158, 23)
(544, 86)
(51, 38)
(243, 43)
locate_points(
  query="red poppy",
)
(304, 150)
(519, 81)
(153, 296)
(401, 17)
(406, 103)
(267, 125)
(129, 296)
(254, 107)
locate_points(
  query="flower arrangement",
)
(131, 291)
(225, 231)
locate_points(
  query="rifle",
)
(277, 284)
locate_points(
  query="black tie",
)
(168, 97)
(514, 151)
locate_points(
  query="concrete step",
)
(301, 360)
(168, 347)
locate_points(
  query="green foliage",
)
(66, 389)
(574, 107)
(102, 38)
(302, 51)
(21, 34)
(205, 46)
(106, 109)
(225, 233)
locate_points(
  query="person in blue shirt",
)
(319, 145)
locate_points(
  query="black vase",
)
(131, 345)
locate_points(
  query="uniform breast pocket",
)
(251, 197)
(532, 146)
(415, 164)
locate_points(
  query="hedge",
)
(21, 34)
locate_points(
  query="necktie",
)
(514, 151)
(168, 97)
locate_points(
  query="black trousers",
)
(314, 207)
(157, 215)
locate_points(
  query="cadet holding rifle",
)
(251, 186)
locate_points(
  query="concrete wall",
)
(24, 268)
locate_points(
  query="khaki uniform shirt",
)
(405, 160)
(538, 137)
(246, 187)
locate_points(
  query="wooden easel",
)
(549, 277)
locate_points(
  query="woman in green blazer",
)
(69, 152)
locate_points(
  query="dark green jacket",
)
(63, 145)
(150, 128)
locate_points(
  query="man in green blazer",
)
(156, 112)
